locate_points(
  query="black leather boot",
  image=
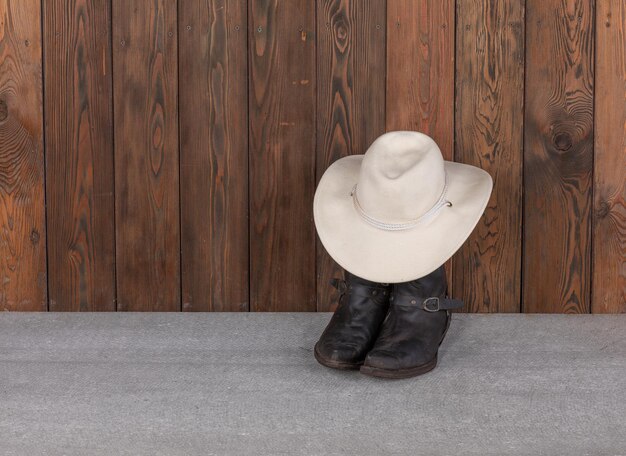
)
(354, 326)
(415, 326)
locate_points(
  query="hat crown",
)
(402, 177)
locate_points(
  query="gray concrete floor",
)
(247, 384)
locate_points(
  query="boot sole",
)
(409, 372)
(399, 373)
(340, 365)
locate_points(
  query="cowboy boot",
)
(354, 326)
(417, 321)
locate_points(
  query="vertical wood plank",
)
(420, 73)
(558, 144)
(214, 154)
(489, 134)
(420, 69)
(351, 70)
(282, 155)
(79, 155)
(146, 155)
(22, 200)
(609, 220)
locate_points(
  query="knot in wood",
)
(341, 30)
(603, 209)
(341, 35)
(34, 236)
(563, 141)
(4, 110)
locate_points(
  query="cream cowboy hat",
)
(400, 211)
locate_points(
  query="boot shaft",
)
(434, 284)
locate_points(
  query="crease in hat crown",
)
(402, 181)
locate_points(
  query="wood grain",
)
(271, 93)
(609, 205)
(420, 73)
(22, 201)
(214, 154)
(351, 71)
(420, 69)
(146, 155)
(489, 135)
(282, 155)
(79, 155)
(558, 144)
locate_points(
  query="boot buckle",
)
(427, 306)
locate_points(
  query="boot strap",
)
(432, 303)
(435, 304)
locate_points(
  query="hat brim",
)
(396, 256)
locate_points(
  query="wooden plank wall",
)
(351, 63)
(558, 158)
(420, 89)
(281, 105)
(163, 155)
(147, 202)
(489, 132)
(214, 154)
(608, 293)
(23, 281)
(79, 156)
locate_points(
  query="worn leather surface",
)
(410, 336)
(355, 324)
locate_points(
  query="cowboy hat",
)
(399, 211)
